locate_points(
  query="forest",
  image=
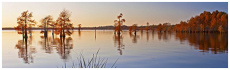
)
(206, 22)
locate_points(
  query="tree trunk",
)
(25, 29)
(53, 31)
(64, 30)
(119, 25)
(135, 32)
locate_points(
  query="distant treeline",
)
(205, 22)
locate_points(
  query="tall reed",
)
(94, 62)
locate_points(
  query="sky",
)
(91, 14)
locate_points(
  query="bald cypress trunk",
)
(25, 28)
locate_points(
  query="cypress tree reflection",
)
(134, 37)
(26, 51)
(214, 42)
(118, 42)
(64, 47)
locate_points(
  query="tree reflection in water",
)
(153, 32)
(118, 42)
(147, 36)
(46, 44)
(79, 34)
(63, 45)
(133, 37)
(26, 50)
(165, 36)
(206, 42)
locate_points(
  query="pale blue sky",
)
(104, 13)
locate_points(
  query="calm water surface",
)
(145, 50)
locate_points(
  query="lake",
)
(144, 50)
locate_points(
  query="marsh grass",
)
(94, 62)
